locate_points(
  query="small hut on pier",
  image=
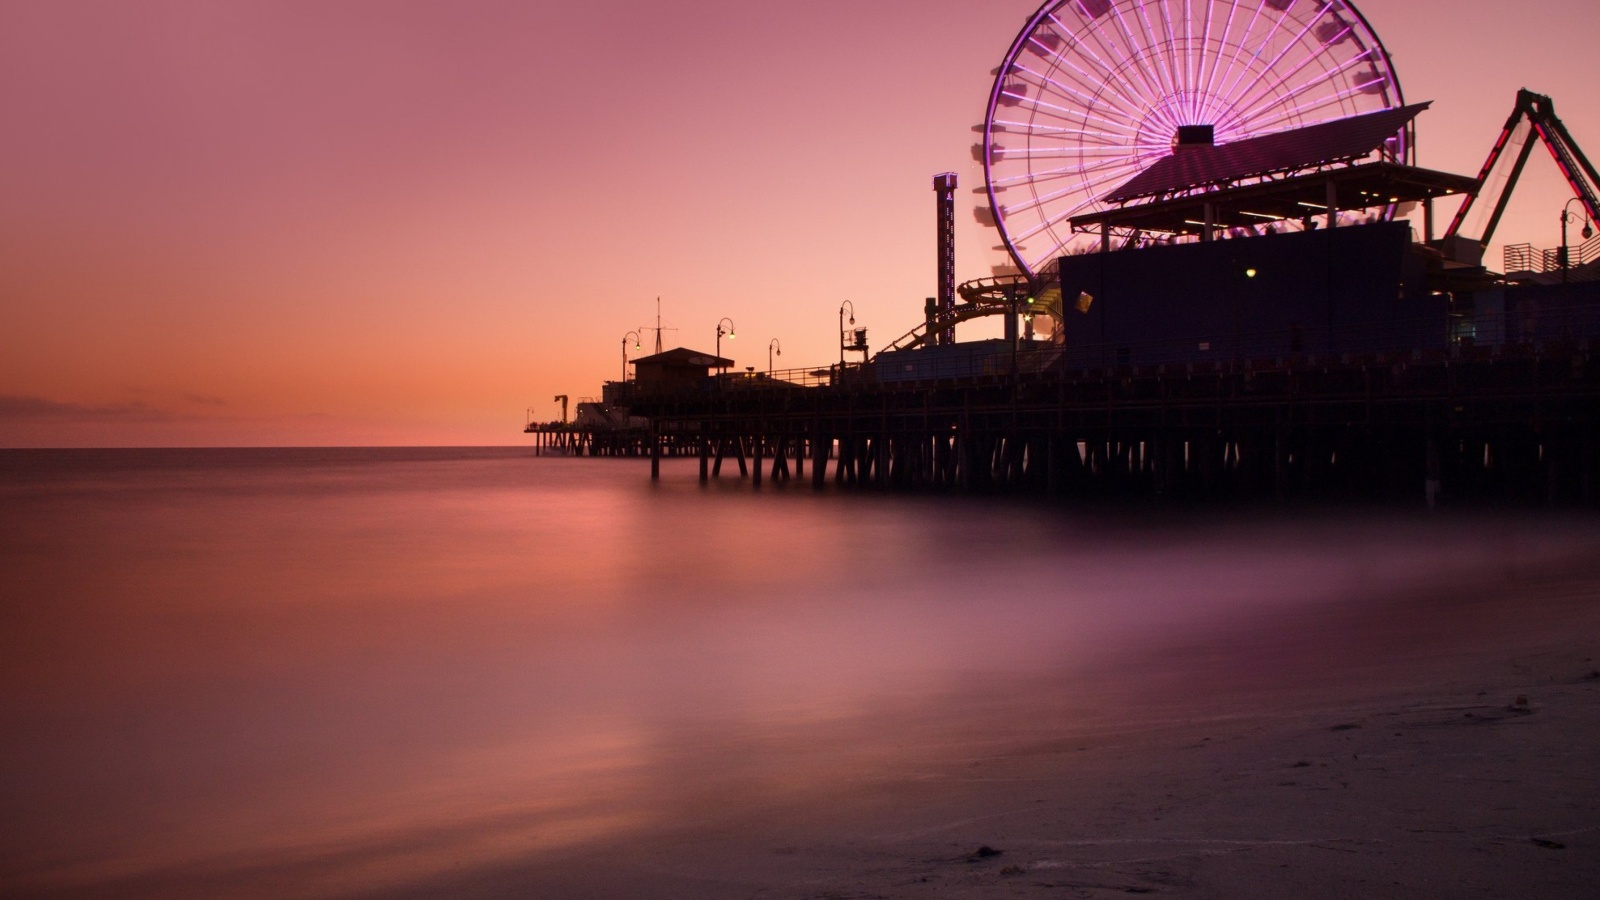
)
(678, 367)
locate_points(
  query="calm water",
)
(371, 666)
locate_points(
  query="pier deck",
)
(1517, 422)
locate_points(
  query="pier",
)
(1506, 424)
(1236, 321)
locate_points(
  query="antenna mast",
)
(658, 329)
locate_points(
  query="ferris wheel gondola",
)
(1092, 92)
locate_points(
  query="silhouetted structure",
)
(1255, 326)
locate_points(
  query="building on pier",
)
(1250, 321)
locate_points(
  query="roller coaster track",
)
(993, 296)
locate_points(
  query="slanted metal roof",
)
(1341, 140)
(1364, 186)
(683, 357)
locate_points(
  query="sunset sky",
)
(286, 223)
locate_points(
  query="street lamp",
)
(842, 306)
(1564, 256)
(720, 333)
(772, 347)
(636, 346)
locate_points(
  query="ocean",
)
(353, 672)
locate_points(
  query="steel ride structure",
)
(1014, 294)
(1092, 92)
(1475, 222)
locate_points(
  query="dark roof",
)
(1357, 187)
(1341, 140)
(686, 358)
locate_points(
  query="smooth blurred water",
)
(377, 664)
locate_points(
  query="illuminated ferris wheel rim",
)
(1113, 94)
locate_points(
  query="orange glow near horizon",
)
(407, 223)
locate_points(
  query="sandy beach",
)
(1439, 744)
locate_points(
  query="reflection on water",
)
(371, 666)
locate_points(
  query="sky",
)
(414, 223)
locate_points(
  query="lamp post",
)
(842, 307)
(720, 333)
(772, 347)
(636, 345)
(1564, 255)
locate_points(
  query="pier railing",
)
(1528, 258)
(1493, 328)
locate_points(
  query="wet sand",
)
(1440, 744)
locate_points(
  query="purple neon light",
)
(1066, 90)
(1227, 28)
(1327, 74)
(1082, 205)
(1313, 107)
(1098, 100)
(1295, 41)
(1089, 81)
(1227, 89)
(1284, 98)
(1127, 33)
(1076, 41)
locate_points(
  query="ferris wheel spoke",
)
(1316, 56)
(1050, 109)
(1293, 117)
(1044, 200)
(1041, 200)
(1096, 90)
(1292, 43)
(1323, 102)
(1110, 138)
(1297, 112)
(1143, 99)
(1071, 39)
(1149, 91)
(1084, 79)
(1157, 112)
(1152, 80)
(1202, 53)
(1222, 45)
(1178, 54)
(1052, 219)
(1278, 99)
(1154, 43)
(1190, 51)
(1041, 175)
(1274, 26)
(1172, 53)
(1055, 219)
(1125, 91)
(1105, 151)
(1058, 246)
(1128, 126)
(1029, 177)
(1068, 129)
(1236, 66)
(1171, 56)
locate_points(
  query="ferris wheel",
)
(1093, 91)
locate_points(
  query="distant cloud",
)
(12, 407)
(205, 400)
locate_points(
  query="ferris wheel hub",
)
(1093, 92)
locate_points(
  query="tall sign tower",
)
(944, 186)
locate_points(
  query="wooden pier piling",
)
(1519, 423)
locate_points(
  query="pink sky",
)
(405, 223)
